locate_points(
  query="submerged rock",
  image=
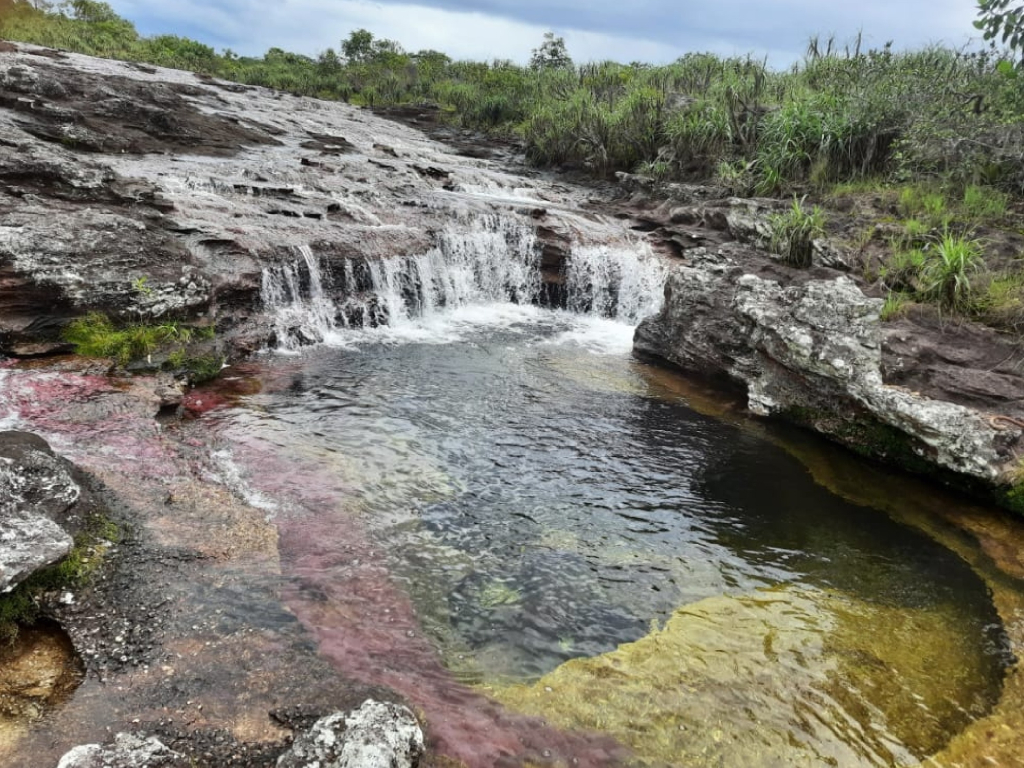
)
(127, 751)
(36, 489)
(783, 676)
(377, 735)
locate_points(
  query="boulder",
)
(376, 735)
(810, 350)
(127, 751)
(36, 490)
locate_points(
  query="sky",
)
(655, 31)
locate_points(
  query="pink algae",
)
(340, 588)
(338, 583)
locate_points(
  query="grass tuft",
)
(948, 269)
(794, 232)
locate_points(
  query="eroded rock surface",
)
(127, 751)
(150, 193)
(808, 346)
(376, 735)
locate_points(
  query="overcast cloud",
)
(627, 30)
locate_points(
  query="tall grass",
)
(840, 115)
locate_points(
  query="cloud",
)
(640, 30)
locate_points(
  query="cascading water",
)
(620, 282)
(478, 261)
(294, 296)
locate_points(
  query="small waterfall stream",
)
(294, 294)
(486, 259)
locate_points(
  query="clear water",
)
(469, 501)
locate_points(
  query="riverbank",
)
(231, 219)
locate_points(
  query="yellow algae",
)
(990, 540)
(778, 677)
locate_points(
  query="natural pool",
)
(501, 514)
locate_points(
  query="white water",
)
(303, 313)
(625, 283)
(484, 271)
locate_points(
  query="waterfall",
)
(476, 261)
(620, 282)
(486, 260)
(294, 297)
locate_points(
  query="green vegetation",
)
(21, 606)
(895, 306)
(94, 335)
(947, 271)
(940, 272)
(794, 232)
(841, 115)
(1002, 20)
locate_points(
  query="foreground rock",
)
(127, 751)
(36, 490)
(808, 346)
(377, 735)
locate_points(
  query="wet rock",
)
(147, 193)
(127, 751)
(810, 350)
(376, 735)
(36, 488)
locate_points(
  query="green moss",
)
(1012, 498)
(95, 335)
(21, 606)
(866, 436)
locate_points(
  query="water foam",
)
(484, 272)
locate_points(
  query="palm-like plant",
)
(946, 273)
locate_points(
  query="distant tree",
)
(1002, 21)
(328, 63)
(551, 54)
(359, 46)
(92, 11)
